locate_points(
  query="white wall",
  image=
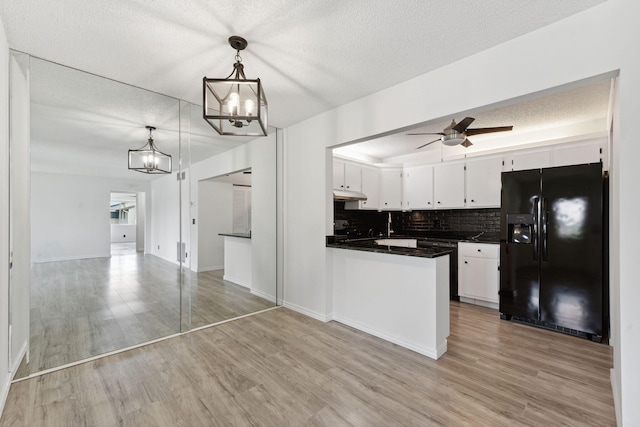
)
(4, 217)
(214, 217)
(20, 278)
(122, 233)
(264, 216)
(165, 222)
(595, 42)
(70, 215)
(141, 222)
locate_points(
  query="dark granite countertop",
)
(242, 235)
(369, 245)
(435, 236)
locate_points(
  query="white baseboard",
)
(71, 258)
(616, 396)
(480, 302)
(16, 363)
(307, 312)
(236, 281)
(264, 295)
(214, 268)
(5, 392)
(433, 353)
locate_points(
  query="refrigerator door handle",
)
(544, 220)
(536, 206)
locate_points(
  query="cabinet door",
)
(448, 185)
(352, 178)
(578, 154)
(483, 179)
(338, 175)
(370, 188)
(391, 189)
(417, 187)
(478, 278)
(531, 160)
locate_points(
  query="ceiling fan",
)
(455, 134)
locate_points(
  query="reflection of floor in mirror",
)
(84, 308)
(123, 248)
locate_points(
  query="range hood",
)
(348, 195)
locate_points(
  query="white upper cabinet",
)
(338, 174)
(346, 176)
(591, 151)
(577, 154)
(352, 177)
(418, 187)
(448, 185)
(370, 188)
(530, 160)
(484, 182)
(391, 188)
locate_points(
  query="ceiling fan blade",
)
(428, 133)
(478, 131)
(463, 125)
(466, 143)
(435, 140)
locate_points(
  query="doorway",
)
(123, 221)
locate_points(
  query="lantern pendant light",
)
(149, 159)
(235, 105)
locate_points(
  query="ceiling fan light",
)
(453, 139)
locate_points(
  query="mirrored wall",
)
(118, 257)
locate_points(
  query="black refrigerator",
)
(552, 260)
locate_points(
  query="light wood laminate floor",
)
(84, 308)
(280, 368)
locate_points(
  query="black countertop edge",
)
(368, 245)
(241, 235)
(490, 239)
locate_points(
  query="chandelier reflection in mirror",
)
(235, 105)
(149, 159)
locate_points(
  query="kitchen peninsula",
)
(237, 258)
(400, 294)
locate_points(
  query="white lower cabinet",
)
(478, 271)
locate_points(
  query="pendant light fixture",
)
(235, 105)
(149, 159)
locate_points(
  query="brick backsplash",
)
(360, 222)
(487, 220)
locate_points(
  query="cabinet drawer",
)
(479, 250)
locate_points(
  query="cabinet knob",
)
(479, 250)
(466, 262)
(348, 187)
(428, 203)
(438, 202)
(385, 203)
(472, 201)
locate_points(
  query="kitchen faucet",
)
(389, 230)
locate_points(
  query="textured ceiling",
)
(311, 55)
(579, 112)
